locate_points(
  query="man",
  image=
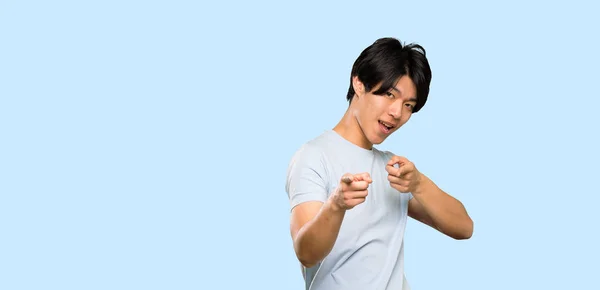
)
(350, 201)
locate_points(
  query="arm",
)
(314, 228)
(429, 205)
(317, 216)
(315, 225)
(434, 207)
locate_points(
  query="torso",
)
(368, 253)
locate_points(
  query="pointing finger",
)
(406, 168)
(397, 160)
(402, 170)
(359, 185)
(364, 177)
(392, 170)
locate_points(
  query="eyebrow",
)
(413, 99)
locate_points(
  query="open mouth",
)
(386, 126)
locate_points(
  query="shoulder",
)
(309, 150)
(307, 173)
(307, 156)
(312, 151)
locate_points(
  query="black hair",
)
(385, 61)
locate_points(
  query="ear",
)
(358, 86)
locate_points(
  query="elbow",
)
(466, 231)
(305, 256)
(463, 236)
(307, 260)
(307, 263)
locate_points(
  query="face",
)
(379, 116)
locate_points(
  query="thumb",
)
(347, 178)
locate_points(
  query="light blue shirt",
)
(369, 250)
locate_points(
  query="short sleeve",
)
(306, 177)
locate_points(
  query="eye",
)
(390, 95)
(410, 106)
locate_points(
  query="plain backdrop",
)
(144, 144)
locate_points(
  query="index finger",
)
(364, 177)
(393, 170)
(397, 160)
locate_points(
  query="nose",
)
(396, 109)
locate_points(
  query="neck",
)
(350, 130)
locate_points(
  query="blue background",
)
(144, 144)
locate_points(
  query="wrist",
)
(422, 184)
(332, 204)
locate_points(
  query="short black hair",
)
(385, 61)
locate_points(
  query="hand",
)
(404, 178)
(351, 191)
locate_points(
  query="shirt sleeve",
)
(306, 177)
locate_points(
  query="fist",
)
(352, 190)
(405, 177)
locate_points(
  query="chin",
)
(376, 140)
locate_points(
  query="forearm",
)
(446, 213)
(316, 238)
